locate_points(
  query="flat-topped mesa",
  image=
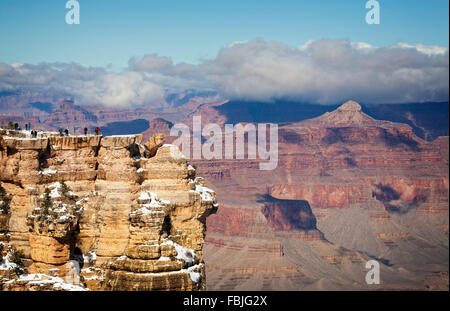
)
(140, 211)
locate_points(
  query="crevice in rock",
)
(166, 226)
(96, 151)
(10, 151)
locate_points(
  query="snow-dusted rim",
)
(56, 282)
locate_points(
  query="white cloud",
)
(424, 49)
(230, 45)
(119, 90)
(89, 85)
(151, 62)
(321, 71)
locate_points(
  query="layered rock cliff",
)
(376, 190)
(100, 213)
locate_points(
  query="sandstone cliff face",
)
(94, 209)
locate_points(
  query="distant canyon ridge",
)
(52, 112)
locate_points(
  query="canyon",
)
(100, 213)
(348, 189)
(353, 183)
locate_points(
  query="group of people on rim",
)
(16, 127)
(86, 131)
(62, 132)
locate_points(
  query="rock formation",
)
(152, 145)
(68, 113)
(92, 212)
(287, 215)
(375, 189)
(349, 114)
(157, 126)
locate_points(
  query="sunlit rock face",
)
(101, 213)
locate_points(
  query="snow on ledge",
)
(205, 193)
(48, 172)
(187, 254)
(55, 282)
(153, 198)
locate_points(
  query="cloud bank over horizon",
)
(320, 71)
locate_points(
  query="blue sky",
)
(189, 31)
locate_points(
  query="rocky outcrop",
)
(287, 215)
(152, 145)
(157, 126)
(97, 213)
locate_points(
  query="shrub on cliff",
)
(47, 203)
(16, 168)
(15, 256)
(65, 192)
(4, 201)
(63, 189)
(2, 191)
